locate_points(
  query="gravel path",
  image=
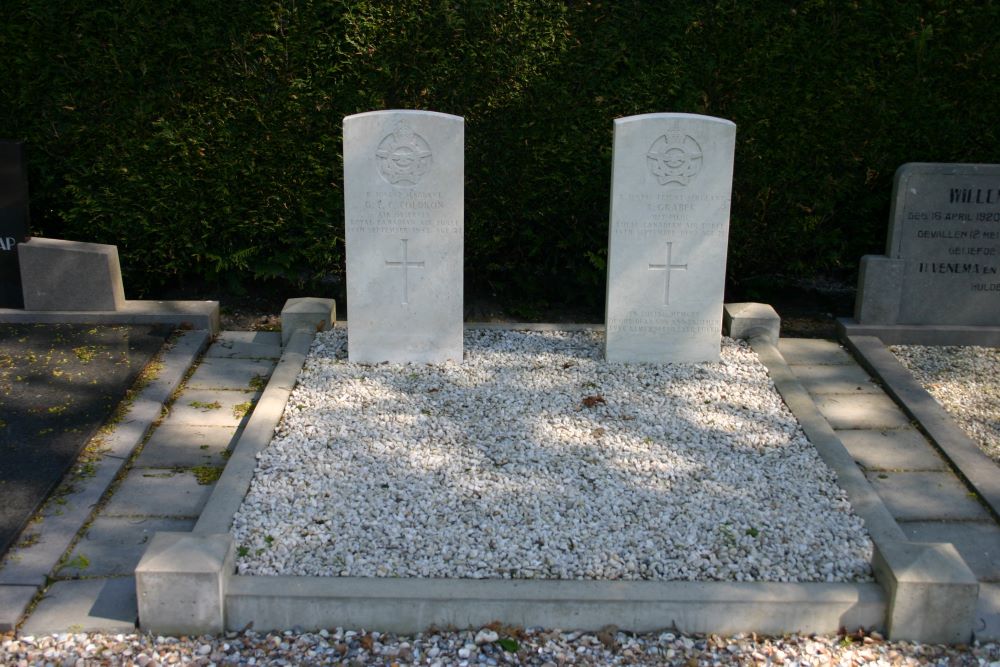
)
(488, 646)
(536, 459)
(966, 382)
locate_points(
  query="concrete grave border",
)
(925, 592)
(969, 461)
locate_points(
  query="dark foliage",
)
(203, 137)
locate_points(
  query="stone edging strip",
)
(194, 315)
(932, 592)
(217, 515)
(28, 568)
(977, 468)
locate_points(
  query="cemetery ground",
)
(72, 590)
(58, 384)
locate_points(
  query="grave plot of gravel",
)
(536, 459)
(966, 382)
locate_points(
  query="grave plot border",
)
(969, 461)
(186, 582)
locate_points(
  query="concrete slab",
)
(955, 444)
(910, 334)
(891, 449)
(185, 446)
(232, 486)
(272, 338)
(85, 605)
(234, 348)
(847, 411)
(203, 407)
(978, 542)
(158, 492)
(14, 600)
(987, 628)
(819, 379)
(231, 373)
(811, 351)
(185, 314)
(921, 496)
(113, 546)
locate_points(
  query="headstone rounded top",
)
(420, 112)
(669, 115)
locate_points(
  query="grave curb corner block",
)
(181, 583)
(313, 313)
(748, 320)
(932, 592)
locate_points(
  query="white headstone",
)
(671, 185)
(404, 208)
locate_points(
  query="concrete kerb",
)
(971, 463)
(309, 313)
(932, 592)
(909, 574)
(912, 334)
(30, 566)
(181, 314)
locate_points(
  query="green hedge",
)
(203, 137)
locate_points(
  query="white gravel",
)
(966, 382)
(513, 646)
(536, 459)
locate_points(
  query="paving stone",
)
(926, 496)
(113, 546)
(159, 492)
(175, 445)
(247, 345)
(226, 373)
(987, 626)
(85, 605)
(812, 351)
(835, 379)
(272, 338)
(13, 601)
(977, 541)
(201, 407)
(845, 411)
(891, 449)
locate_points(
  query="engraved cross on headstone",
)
(667, 268)
(406, 265)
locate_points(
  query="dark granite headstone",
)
(13, 220)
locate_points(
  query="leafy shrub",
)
(203, 138)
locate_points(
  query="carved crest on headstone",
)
(403, 156)
(674, 158)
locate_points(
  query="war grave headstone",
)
(13, 220)
(404, 210)
(942, 261)
(671, 187)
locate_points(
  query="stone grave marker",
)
(13, 220)
(404, 207)
(942, 261)
(671, 186)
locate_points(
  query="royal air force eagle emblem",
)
(403, 156)
(674, 158)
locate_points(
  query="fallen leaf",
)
(591, 401)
